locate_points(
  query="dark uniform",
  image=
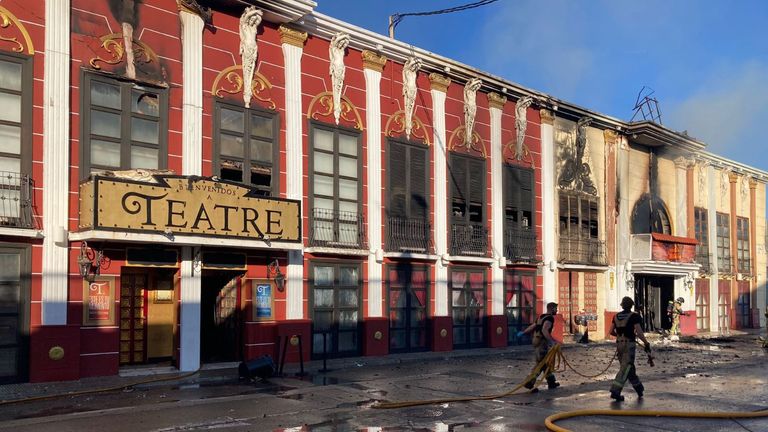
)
(624, 322)
(541, 347)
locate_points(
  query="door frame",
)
(483, 308)
(407, 289)
(333, 350)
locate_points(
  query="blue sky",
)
(706, 60)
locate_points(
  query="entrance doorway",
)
(14, 320)
(652, 295)
(147, 316)
(467, 288)
(220, 320)
(407, 308)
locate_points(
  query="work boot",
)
(617, 396)
(529, 385)
(552, 384)
(639, 389)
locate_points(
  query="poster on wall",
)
(99, 301)
(263, 299)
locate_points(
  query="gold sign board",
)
(187, 205)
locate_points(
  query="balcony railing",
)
(337, 229)
(15, 200)
(705, 260)
(519, 244)
(409, 235)
(469, 240)
(578, 251)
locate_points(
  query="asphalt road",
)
(694, 375)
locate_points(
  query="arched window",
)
(650, 216)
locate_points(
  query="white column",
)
(681, 197)
(190, 309)
(56, 109)
(439, 87)
(548, 225)
(373, 173)
(496, 104)
(192, 104)
(713, 186)
(623, 230)
(191, 164)
(292, 43)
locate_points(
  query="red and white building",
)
(184, 186)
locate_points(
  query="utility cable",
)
(395, 19)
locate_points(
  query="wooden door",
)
(133, 332)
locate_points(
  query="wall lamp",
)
(274, 273)
(89, 261)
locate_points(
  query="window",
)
(519, 236)
(124, 125)
(578, 216)
(702, 237)
(16, 114)
(246, 147)
(742, 245)
(518, 197)
(650, 216)
(467, 190)
(469, 236)
(723, 243)
(336, 309)
(519, 303)
(408, 210)
(336, 190)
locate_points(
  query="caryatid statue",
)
(336, 51)
(410, 70)
(470, 107)
(249, 50)
(521, 123)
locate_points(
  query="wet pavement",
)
(694, 374)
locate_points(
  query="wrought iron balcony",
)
(337, 229)
(705, 260)
(409, 235)
(469, 240)
(519, 244)
(15, 200)
(582, 251)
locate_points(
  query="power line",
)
(395, 19)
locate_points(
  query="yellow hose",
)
(99, 390)
(549, 422)
(554, 361)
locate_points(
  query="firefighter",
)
(626, 326)
(542, 341)
(674, 310)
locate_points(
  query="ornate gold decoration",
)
(373, 61)
(508, 151)
(439, 82)
(378, 335)
(56, 353)
(113, 44)
(499, 330)
(324, 101)
(443, 333)
(234, 76)
(396, 127)
(6, 19)
(458, 140)
(291, 36)
(496, 100)
(193, 7)
(547, 117)
(294, 340)
(610, 136)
